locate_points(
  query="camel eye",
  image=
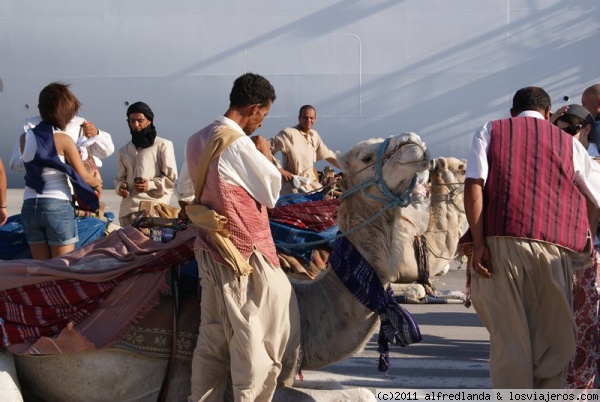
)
(367, 159)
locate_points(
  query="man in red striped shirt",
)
(525, 204)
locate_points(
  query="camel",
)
(334, 325)
(436, 220)
(436, 224)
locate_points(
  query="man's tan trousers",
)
(247, 323)
(526, 307)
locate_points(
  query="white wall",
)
(372, 68)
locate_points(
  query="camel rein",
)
(452, 194)
(389, 199)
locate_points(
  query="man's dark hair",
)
(250, 89)
(305, 107)
(57, 104)
(530, 98)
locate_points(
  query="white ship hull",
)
(372, 68)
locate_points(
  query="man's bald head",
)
(590, 99)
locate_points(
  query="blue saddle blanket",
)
(13, 245)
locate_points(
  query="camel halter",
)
(450, 195)
(389, 199)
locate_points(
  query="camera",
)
(138, 180)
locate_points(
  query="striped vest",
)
(530, 191)
(247, 220)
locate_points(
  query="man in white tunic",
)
(249, 319)
(147, 167)
(301, 146)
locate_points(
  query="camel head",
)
(380, 178)
(447, 175)
(446, 221)
(404, 157)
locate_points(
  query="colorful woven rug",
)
(152, 336)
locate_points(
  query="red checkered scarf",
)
(313, 215)
(44, 309)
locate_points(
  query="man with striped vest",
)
(525, 204)
(249, 315)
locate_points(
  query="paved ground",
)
(453, 354)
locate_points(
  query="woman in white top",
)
(51, 158)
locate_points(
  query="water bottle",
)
(157, 234)
(167, 235)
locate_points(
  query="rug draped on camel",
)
(303, 228)
(87, 299)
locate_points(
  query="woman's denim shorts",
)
(49, 220)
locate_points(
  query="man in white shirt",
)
(249, 320)
(527, 217)
(85, 135)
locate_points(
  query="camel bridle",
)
(452, 194)
(389, 199)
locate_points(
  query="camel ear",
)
(341, 159)
(442, 163)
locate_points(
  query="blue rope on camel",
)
(387, 198)
(397, 325)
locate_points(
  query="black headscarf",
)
(144, 138)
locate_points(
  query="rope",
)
(329, 187)
(389, 199)
(452, 194)
(421, 248)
